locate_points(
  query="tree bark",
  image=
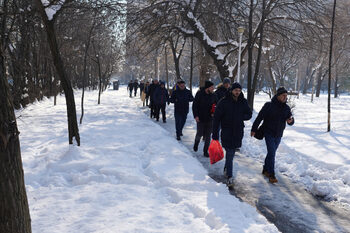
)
(258, 60)
(73, 130)
(330, 68)
(191, 70)
(14, 210)
(250, 52)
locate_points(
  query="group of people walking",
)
(220, 115)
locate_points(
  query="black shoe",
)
(157, 119)
(164, 121)
(237, 150)
(181, 134)
(206, 154)
(178, 138)
(195, 146)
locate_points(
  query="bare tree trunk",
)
(258, 60)
(204, 73)
(73, 130)
(191, 70)
(250, 51)
(166, 67)
(100, 80)
(14, 210)
(269, 65)
(336, 82)
(87, 46)
(330, 69)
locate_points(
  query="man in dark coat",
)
(160, 98)
(230, 114)
(142, 86)
(151, 90)
(275, 115)
(136, 86)
(223, 89)
(181, 97)
(146, 91)
(130, 87)
(203, 111)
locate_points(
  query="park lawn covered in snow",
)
(128, 175)
(308, 154)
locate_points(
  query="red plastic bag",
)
(215, 151)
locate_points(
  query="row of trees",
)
(48, 47)
(284, 42)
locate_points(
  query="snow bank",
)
(129, 175)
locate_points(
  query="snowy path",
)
(128, 175)
(287, 204)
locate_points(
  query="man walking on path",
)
(203, 111)
(275, 115)
(136, 86)
(142, 87)
(160, 98)
(181, 97)
(223, 88)
(230, 113)
(151, 90)
(130, 87)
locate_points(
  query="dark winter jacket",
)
(221, 92)
(136, 85)
(146, 90)
(274, 114)
(160, 96)
(202, 105)
(181, 100)
(142, 86)
(230, 114)
(151, 90)
(131, 86)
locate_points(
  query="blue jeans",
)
(180, 120)
(230, 153)
(272, 144)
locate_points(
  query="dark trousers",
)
(230, 153)
(180, 120)
(135, 92)
(272, 144)
(204, 130)
(151, 106)
(130, 92)
(147, 101)
(158, 108)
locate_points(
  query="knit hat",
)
(226, 80)
(208, 84)
(236, 85)
(161, 82)
(281, 91)
(180, 81)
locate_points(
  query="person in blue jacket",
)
(160, 98)
(274, 114)
(230, 113)
(181, 97)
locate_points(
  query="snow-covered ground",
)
(128, 175)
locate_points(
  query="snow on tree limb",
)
(52, 7)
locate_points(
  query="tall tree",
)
(330, 68)
(14, 210)
(49, 23)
